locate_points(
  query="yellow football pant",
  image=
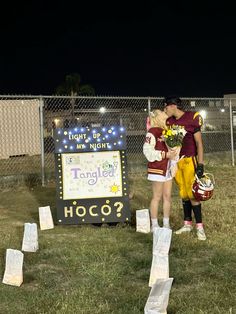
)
(185, 176)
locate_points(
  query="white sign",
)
(92, 175)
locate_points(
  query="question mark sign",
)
(119, 208)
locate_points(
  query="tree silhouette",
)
(72, 87)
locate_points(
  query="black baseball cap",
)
(172, 100)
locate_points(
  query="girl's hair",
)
(155, 120)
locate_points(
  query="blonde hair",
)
(156, 120)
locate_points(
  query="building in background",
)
(19, 128)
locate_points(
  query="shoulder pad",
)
(195, 115)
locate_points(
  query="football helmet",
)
(203, 188)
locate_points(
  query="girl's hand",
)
(172, 154)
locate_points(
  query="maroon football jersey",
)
(192, 122)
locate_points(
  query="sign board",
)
(91, 175)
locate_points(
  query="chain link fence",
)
(27, 124)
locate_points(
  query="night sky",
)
(120, 48)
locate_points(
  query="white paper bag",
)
(161, 240)
(159, 269)
(160, 258)
(13, 274)
(142, 221)
(45, 218)
(158, 299)
(30, 238)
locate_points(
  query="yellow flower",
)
(173, 136)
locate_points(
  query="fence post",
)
(41, 104)
(231, 131)
(149, 106)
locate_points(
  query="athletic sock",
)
(187, 206)
(166, 222)
(154, 222)
(188, 223)
(199, 225)
(197, 209)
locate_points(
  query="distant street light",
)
(203, 113)
(56, 121)
(102, 109)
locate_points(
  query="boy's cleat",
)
(201, 234)
(185, 228)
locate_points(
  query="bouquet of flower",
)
(174, 135)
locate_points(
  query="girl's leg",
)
(157, 190)
(167, 188)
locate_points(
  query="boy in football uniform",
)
(191, 162)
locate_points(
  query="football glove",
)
(200, 170)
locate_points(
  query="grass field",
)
(88, 269)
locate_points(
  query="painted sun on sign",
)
(115, 188)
